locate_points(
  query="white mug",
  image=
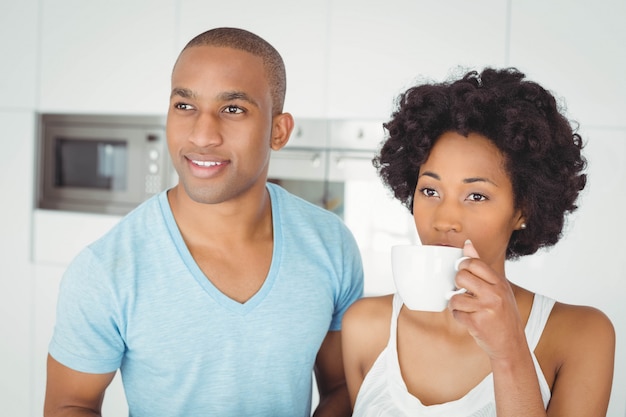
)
(424, 275)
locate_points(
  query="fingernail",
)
(468, 242)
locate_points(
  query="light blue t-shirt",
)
(136, 300)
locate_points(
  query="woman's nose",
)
(447, 217)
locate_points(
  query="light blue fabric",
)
(136, 300)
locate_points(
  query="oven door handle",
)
(340, 160)
(314, 158)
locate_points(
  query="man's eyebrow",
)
(225, 96)
(182, 92)
(237, 95)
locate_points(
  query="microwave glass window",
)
(98, 164)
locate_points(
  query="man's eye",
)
(233, 109)
(183, 106)
(476, 197)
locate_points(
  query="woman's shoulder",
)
(368, 316)
(365, 330)
(577, 353)
(370, 308)
(577, 333)
(569, 320)
(580, 321)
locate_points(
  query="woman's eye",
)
(428, 192)
(476, 197)
(233, 109)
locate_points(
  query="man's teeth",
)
(206, 163)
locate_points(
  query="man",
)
(221, 295)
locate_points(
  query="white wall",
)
(18, 49)
(345, 59)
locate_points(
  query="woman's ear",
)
(282, 125)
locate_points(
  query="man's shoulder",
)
(293, 204)
(136, 225)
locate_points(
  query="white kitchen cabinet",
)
(16, 183)
(18, 47)
(298, 30)
(53, 245)
(576, 49)
(106, 57)
(378, 49)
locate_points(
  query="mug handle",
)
(458, 262)
(451, 294)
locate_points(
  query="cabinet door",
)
(378, 49)
(576, 49)
(107, 57)
(19, 54)
(298, 30)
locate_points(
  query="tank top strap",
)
(539, 314)
(397, 304)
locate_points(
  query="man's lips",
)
(206, 167)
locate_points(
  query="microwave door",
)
(91, 164)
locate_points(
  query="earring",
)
(522, 226)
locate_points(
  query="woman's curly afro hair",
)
(542, 153)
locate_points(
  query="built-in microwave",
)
(101, 163)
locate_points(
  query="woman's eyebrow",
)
(473, 180)
(430, 174)
(470, 180)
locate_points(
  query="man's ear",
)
(282, 125)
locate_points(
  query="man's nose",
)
(206, 131)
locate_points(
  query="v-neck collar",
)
(206, 284)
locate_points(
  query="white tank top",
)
(384, 393)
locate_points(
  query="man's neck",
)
(246, 218)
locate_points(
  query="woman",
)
(487, 163)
